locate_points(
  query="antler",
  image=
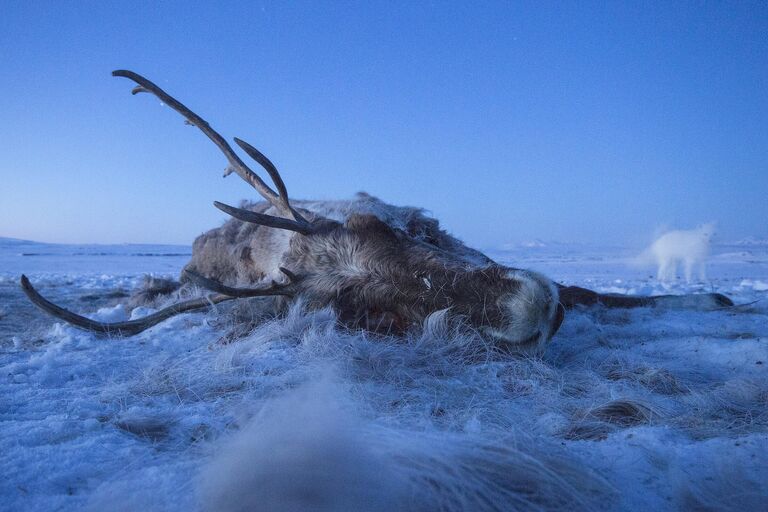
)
(131, 327)
(262, 219)
(278, 199)
(120, 329)
(287, 289)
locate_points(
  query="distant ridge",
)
(18, 241)
(752, 241)
(27, 248)
(13, 241)
(537, 243)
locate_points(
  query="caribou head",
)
(376, 276)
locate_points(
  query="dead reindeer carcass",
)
(381, 268)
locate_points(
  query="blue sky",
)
(583, 122)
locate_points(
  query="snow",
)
(628, 409)
(757, 285)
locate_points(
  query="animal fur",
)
(686, 248)
(383, 268)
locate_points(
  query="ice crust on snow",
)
(628, 409)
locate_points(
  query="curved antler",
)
(263, 219)
(128, 328)
(132, 327)
(287, 289)
(278, 199)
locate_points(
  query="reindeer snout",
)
(532, 313)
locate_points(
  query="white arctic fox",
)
(689, 247)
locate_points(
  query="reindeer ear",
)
(364, 223)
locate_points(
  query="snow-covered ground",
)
(628, 409)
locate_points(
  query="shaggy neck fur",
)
(380, 280)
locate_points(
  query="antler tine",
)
(120, 329)
(267, 164)
(215, 286)
(237, 164)
(280, 201)
(264, 220)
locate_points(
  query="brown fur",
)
(376, 276)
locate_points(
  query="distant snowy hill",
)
(536, 243)
(752, 241)
(31, 248)
(10, 242)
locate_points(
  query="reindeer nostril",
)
(558, 320)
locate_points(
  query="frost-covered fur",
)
(385, 269)
(240, 253)
(634, 409)
(338, 462)
(322, 420)
(438, 423)
(689, 248)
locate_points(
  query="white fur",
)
(689, 248)
(304, 452)
(526, 314)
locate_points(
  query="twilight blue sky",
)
(508, 121)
